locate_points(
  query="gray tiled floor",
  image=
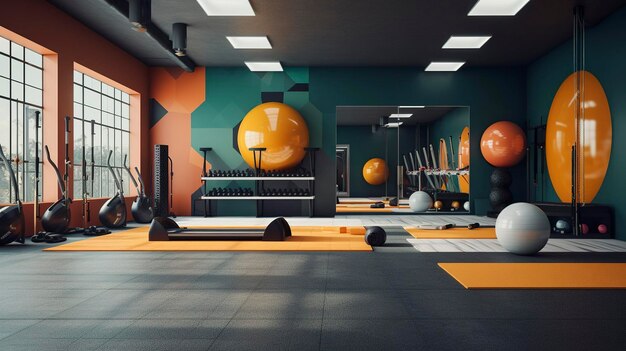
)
(394, 298)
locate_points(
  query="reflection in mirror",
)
(439, 164)
(343, 170)
(386, 153)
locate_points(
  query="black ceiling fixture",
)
(139, 14)
(179, 39)
(153, 32)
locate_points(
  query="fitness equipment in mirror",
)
(113, 212)
(141, 209)
(12, 222)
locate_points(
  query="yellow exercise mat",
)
(302, 239)
(538, 275)
(452, 233)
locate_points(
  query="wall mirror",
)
(386, 153)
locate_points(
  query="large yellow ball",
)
(280, 129)
(375, 171)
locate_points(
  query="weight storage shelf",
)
(255, 178)
(258, 197)
(258, 182)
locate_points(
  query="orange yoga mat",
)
(453, 233)
(538, 275)
(302, 239)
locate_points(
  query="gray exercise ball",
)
(522, 228)
(420, 201)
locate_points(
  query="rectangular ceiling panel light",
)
(444, 66)
(497, 7)
(411, 106)
(264, 66)
(393, 125)
(400, 115)
(465, 42)
(226, 7)
(250, 42)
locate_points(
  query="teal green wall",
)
(450, 124)
(493, 94)
(606, 59)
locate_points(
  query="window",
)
(21, 95)
(109, 108)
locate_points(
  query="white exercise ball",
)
(466, 206)
(522, 228)
(420, 201)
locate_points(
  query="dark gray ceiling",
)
(349, 32)
(369, 115)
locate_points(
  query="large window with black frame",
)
(109, 109)
(21, 95)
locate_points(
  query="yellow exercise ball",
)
(375, 171)
(280, 129)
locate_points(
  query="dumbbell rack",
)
(258, 180)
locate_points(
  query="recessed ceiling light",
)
(400, 115)
(497, 7)
(274, 66)
(444, 66)
(393, 125)
(226, 7)
(411, 106)
(250, 42)
(465, 42)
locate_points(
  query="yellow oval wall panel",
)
(595, 137)
(464, 159)
(280, 129)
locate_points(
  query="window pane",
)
(4, 87)
(78, 110)
(92, 98)
(125, 98)
(78, 93)
(92, 113)
(5, 125)
(33, 58)
(91, 83)
(33, 96)
(4, 45)
(17, 91)
(4, 66)
(33, 76)
(125, 111)
(107, 104)
(78, 77)
(17, 51)
(17, 70)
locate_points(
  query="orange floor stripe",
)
(303, 239)
(453, 233)
(538, 275)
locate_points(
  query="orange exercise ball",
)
(280, 129)
(503, 144)
(375, 171)
(595, 134)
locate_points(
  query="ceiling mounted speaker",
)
(179, 38)
(139, 14)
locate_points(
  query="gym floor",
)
(393, 298)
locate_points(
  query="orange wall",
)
(45, 28)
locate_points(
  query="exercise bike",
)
(141, 209)
(113, 213)
(12, 221)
